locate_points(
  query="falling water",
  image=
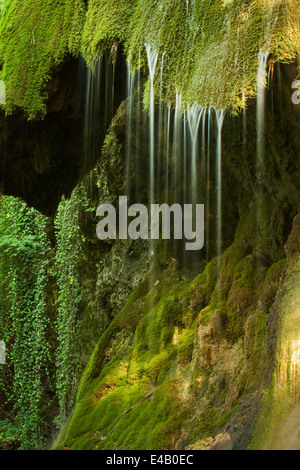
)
(139, 124)
(92, 114)
(161, 128)
(185, 195)
(177, 148)
(179, 144)
(129, 120)
(92, 117)
(261, 96)
(194, 115)
(203, 150)
(168, 151)
(208, 183)
(220, 114)
(152, 56)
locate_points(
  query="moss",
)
(282, 396)
(263, 227)
(127, 318)
(186, 347)
(213, 39)
(256, 335)
(106, 22)
(181, 340)
(211, 420)
(127, 365)
(35, 37)
(146, 426)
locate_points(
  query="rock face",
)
(204, 346)
(189, 349)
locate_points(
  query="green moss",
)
(35, 37)
(256, 348)
(106, 21)
(214, 39)
(122, 372)
(282, 397)
(212, 420)
(186, 347)
(263, 227)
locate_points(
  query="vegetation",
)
(211, 48)
(35, 38)
(198, 346)
(41, 375)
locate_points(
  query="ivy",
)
(69, 256)
(23, 318)
(41, 336)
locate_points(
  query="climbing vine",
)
(23, 258)
(41, 335)
(69, 256)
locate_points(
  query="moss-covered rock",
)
(36, 37)
(199, 351)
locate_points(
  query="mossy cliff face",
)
(214, 59)
(190, 357)
(278, 424)
(35, 37)
(206, 361)
(213, 63)
(185, 361)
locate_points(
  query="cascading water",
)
(171, 147)
(261, 97)
(152, 61)
(208, 183)
(177, 149)
(129, 121)
(194, 115)
(98, 110)
(161, 127)
(220, 114)
(167, 154)
(93, 103)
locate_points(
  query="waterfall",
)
(261, 96)
(92, 112)
(168, 151)
(194, 115)
(129, 120)
(177, 148)
(92, 117)
(161, 129)
(152, 56)
(208, 183)
(98, 110)
(220, 114)
(178, 145)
